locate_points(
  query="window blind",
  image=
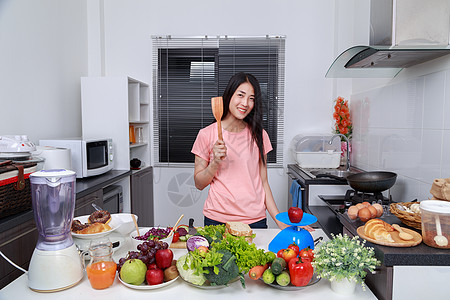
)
(189, 71)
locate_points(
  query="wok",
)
(372, 182)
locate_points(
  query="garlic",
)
(415, 208)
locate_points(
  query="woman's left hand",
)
(307, 227)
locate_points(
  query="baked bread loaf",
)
(378, 230)
(239, 229)
(95, 228)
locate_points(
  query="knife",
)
(192, 230)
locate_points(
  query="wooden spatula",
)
(217, 109)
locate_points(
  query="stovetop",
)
(352, 197)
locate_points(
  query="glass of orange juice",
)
(101, 270)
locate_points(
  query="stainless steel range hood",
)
(404, 33)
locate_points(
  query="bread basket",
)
(409, 218)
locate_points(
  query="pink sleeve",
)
(201, 146)
(266, 142)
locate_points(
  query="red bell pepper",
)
(301, 271)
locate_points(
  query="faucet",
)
(348, 150)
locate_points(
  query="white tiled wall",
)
(404, 127)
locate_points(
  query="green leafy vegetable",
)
(213, 232)
(227, 269)
(247, 255)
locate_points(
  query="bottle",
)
(132, 135)
(101, 270)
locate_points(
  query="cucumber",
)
(268, 276)
(278, 265)
(184, 238)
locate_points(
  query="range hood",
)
(397, 42)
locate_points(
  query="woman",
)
(236, 168)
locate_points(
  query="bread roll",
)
(95, 228)
(378, 230)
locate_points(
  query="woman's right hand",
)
(219, 151)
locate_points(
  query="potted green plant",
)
(344, 261)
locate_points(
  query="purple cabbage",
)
(182, 231)
(196, 241)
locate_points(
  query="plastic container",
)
(316, 151)
(435, 215)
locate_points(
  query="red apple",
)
(154, 276)
(164, 258)
(295, 214)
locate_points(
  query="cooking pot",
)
(372, 182)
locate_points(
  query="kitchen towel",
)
(296, 193)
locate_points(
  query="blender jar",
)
(53, 198)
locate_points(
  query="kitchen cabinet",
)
(84, 204)
(109, 107)
(142, 196)
(18, 243)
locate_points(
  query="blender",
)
(56, 263)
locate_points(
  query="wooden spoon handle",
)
(176, 224)
(219, 130)
(135, 224)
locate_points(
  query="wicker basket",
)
(14, 198)
(409, 218)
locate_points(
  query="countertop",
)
(18, 289)
(84, 186)
(420, 255)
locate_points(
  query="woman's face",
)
(242, 101)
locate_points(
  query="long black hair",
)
(254, 118)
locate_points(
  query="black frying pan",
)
(372, 182)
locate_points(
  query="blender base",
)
(52, 271)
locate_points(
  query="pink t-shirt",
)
(236, 192)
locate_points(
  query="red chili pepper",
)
(301, 271)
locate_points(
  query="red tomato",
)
(307, 254)
(176, 237)
(301, 271)
(294, 247)
(288, 254)
(280, 253)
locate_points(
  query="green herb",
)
(344, 257)
(201, 260)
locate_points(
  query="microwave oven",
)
(89, 157)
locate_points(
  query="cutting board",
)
(178, 245)
(417, 238)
